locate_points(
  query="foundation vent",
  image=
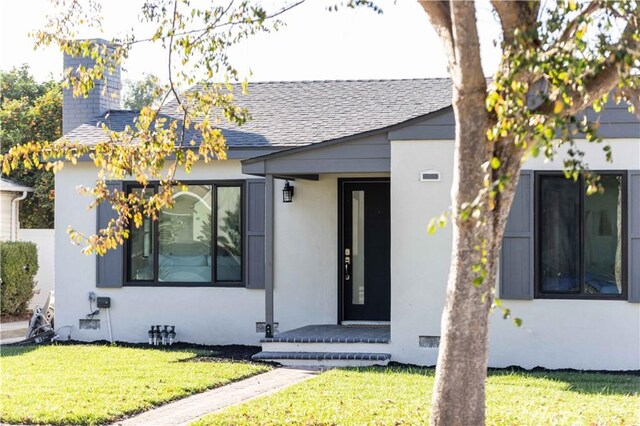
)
(430, 176)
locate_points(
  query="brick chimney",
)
(81, 110)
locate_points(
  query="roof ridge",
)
(350, 80)
(353, 80)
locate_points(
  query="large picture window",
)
(197, 242)
(580, 242)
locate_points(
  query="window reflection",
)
(603, 238)
(141, 245)
(185, 237)
(229, 250)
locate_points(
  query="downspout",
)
(13, 235)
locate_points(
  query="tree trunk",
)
(458, 397)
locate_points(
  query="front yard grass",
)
(399, 396)
(91, 384)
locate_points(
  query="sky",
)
(314, 45)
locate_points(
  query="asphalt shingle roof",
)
(305, 112)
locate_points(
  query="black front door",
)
(365, 250)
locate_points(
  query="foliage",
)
(229, 235)
(196, 41)
(395, 395)
(90, 384)
(18, 268)
(19, 83)
(142, 93)
(30, 111)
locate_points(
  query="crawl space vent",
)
(430, 176)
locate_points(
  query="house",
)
(11, 193)
(346, 269)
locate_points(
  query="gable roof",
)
(298, 113)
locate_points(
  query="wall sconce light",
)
(287, 192)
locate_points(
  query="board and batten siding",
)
(368, 154)
(255, 233)
(516, 258)
(109, 266)
(634, 236)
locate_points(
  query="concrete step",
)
(325, 347)
(292, 337)
(326, 359)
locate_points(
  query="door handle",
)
(347, 264)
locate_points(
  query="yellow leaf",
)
(558, 106)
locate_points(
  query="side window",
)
(580, 244)
(197, 241)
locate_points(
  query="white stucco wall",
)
(305, 281)
(44, 239)
(596, 334)
(306, 252)
(419, 261)
(571, 333)
(305, 241)
(201, 314)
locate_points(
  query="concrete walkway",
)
(187, 410)
(12, 332)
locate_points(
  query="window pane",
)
(185, 237)
(229, 250)
(603, 238)
(559, 244)
(141, 246)
(357, 242)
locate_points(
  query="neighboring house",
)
(349, 258)
(11, 194)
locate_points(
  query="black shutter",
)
(254, 233)
(633, 257)
(109, 268)
(516, 258)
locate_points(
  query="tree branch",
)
(598, 85)
(575, 23)
(439, 13)
(469, 71)
(216, 25)
(633, 97)
(515, 14)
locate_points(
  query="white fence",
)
(44, 239)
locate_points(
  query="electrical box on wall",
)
(104, 302)
(430, 176)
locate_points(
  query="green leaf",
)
(495, 163)
(432, 228)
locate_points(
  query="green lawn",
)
(396, 396)
(89, 384)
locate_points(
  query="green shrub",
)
(18, 267)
